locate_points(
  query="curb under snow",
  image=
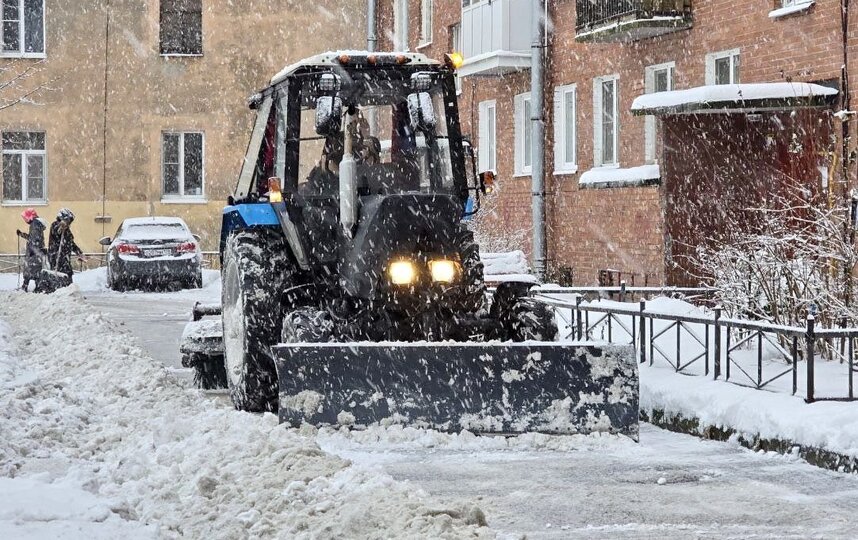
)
(824, 434)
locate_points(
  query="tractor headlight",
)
(401, 272)
(443, 271)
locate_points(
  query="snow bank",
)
(773, 413)
(827, 425)
(506, 266)
(104, 419)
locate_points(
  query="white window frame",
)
(25, 200)
(488, 141)
(522, 123)
(650, 121)
(400, 25)
(456, 46)
(733, 55)
(598, 149)
(790, 3)
(21, 35)
(181, 197)
(427, 23)
(562, 95)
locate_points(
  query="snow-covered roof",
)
(723, 98)
(332, 58)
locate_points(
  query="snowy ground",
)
(90, 418)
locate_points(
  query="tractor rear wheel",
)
(255, 270)
(521, 317)
(474, 292)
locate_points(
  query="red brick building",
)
(628, 192)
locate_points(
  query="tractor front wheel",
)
(254, 273)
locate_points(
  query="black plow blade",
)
(480, 387)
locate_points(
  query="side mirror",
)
(329, 115)
(105, 241)
(421, 112)
(197, 238)
(487, 182)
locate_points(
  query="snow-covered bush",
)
(493, 232)
(797, 258)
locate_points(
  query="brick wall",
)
(624, 228)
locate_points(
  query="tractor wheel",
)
(473, 296)
(255, 270)
(522, 318)
(307, 325)
(530, 320)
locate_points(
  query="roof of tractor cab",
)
(335, 58)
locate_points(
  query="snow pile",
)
(103, 419)
(506, 266)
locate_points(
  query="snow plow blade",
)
(481, 387)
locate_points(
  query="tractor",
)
(353, 289)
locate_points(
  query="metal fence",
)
(748, 353)
(13, 262)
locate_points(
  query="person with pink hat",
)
(36, 254)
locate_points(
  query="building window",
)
(426, 24)
(790, 3)
(455, 45)
(723, 67)
(182, 27)
(523, 135)
(22, 32)
(183, 172)
(24, 171)
(657, 78)
(488, 136)
(400, 25)
(565, 129)
(606, 121)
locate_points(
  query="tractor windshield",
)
(395, 124)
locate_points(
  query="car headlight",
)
(401, 272)
(443, 271)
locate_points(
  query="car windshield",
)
(399, 135)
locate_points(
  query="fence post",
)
(810, 336)
(642, 331)
(717, 359)
(623, 291)
(578, 327)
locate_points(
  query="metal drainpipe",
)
(371, 36)
(538, 139)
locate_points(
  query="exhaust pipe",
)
(348, 174)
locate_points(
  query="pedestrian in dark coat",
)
(61, 243)
(36, 255)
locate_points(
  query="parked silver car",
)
(153, 252)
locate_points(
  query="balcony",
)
(496, 37)
(629, 20)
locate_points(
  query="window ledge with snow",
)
(572, 169)
(12, 54)
(24, 203)
(789, 10)
(184, 200)
(611, 177)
